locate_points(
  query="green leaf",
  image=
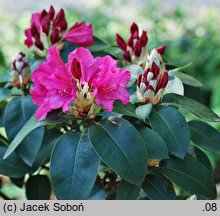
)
(174, 85)
(30, 125)
(205, 136)
(127, 191)
(16, 114)
(157, 188)
(74, 167)
(127, 110)
(135, 71)
(143, 111)
(156, 147)
(190, 175)
(97, 193)
(19, 182)
(191, 105)
(38, 187)
(30, 146)
(185, 78)
(67, 48)
(13, 166)
(99, 45)
(173, 128)
(34, 63)
(202, 158)
(50, 138)
(4, 93)
(120, 146)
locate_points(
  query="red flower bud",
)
(52, 12)
(76, 69)
(163, 82)
(161, 49)
(127, 55)
(60, 21)
(38, 44)
(143, 39)
(34, 31)
(121, 43)
(130, 41)
(155, 69)
(134, 28)
(137, 49)
(55, 36)
(46, 18)
(135, 35)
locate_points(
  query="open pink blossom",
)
(99, 80)
(48, 28)
(53, 87)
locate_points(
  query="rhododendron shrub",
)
(84, 123)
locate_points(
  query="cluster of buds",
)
(135, 49)
(48, 28)
(21, 71)
(84, 104)
(152, 82)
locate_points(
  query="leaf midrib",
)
(133, 168)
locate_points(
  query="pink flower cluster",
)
(48, 28)
(56, 84)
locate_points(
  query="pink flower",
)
(84, 80)
(48, 28)
(80, 34)
(53, 87)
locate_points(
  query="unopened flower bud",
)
(21, 70)
(133, 28)
(152, 82)
(135, 48)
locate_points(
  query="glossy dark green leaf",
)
(156, 147)
(30, 125)
(50, 138)
(38, 187)
(190, 175)
(4, 93)
(191, 105)
(19, 182)
(120, 146)
(202, 157)
(73, 167)
(158, 188)
(16, 114)
(127, 191)
(143, 111)
(173, 128)
(99, 45)
(13, 166)
(205, 136)
(97, 193)
(34, 63)
(127, 110)
(30, 146)
(67, 48)
(186, 78)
